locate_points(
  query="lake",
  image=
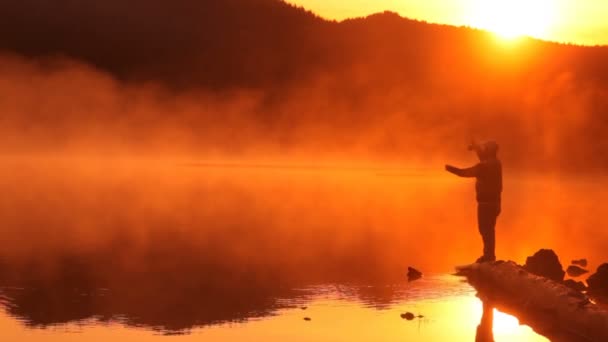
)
(174, 250)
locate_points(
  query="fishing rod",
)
(393, 170)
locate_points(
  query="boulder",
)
(575, 285)
(413, 274)
(545, 263)
(408, 316)
(550, 308)
(598, 283)
(580, 262)
(575, 271)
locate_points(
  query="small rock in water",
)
(576, 285)
(580, 262)
(408, 315)
(545, 263)
(304, 307)
(575, 271)
(413, 274)
(308, 319)
(598, 283)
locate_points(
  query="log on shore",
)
(550, 308)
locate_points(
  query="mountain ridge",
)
(201, 43)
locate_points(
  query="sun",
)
(513, 18)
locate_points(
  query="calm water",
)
(160, 250)
(337, 312)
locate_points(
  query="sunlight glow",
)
(514, 18)
(504, 324)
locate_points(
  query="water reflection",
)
(485, 331)
(340, 312)
(181, 307)
(167, 310)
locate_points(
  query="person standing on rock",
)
(488, 186)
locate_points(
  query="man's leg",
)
(486, 217)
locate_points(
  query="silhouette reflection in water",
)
(484, 329)
(166, 310)
(174, 308)
(167, 299)
(182, 301)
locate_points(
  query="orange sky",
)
(574, 21)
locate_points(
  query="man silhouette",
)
(488, 186)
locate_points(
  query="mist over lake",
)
(295, 224)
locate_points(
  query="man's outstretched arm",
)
(468, 172)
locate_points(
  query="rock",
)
(553, 310)
(308, 319)
(575, 271)
(598, 283)
(413, 274)
(408, 315)
(545, 263)
(304, 307)
(576, 285)
(580, 262)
